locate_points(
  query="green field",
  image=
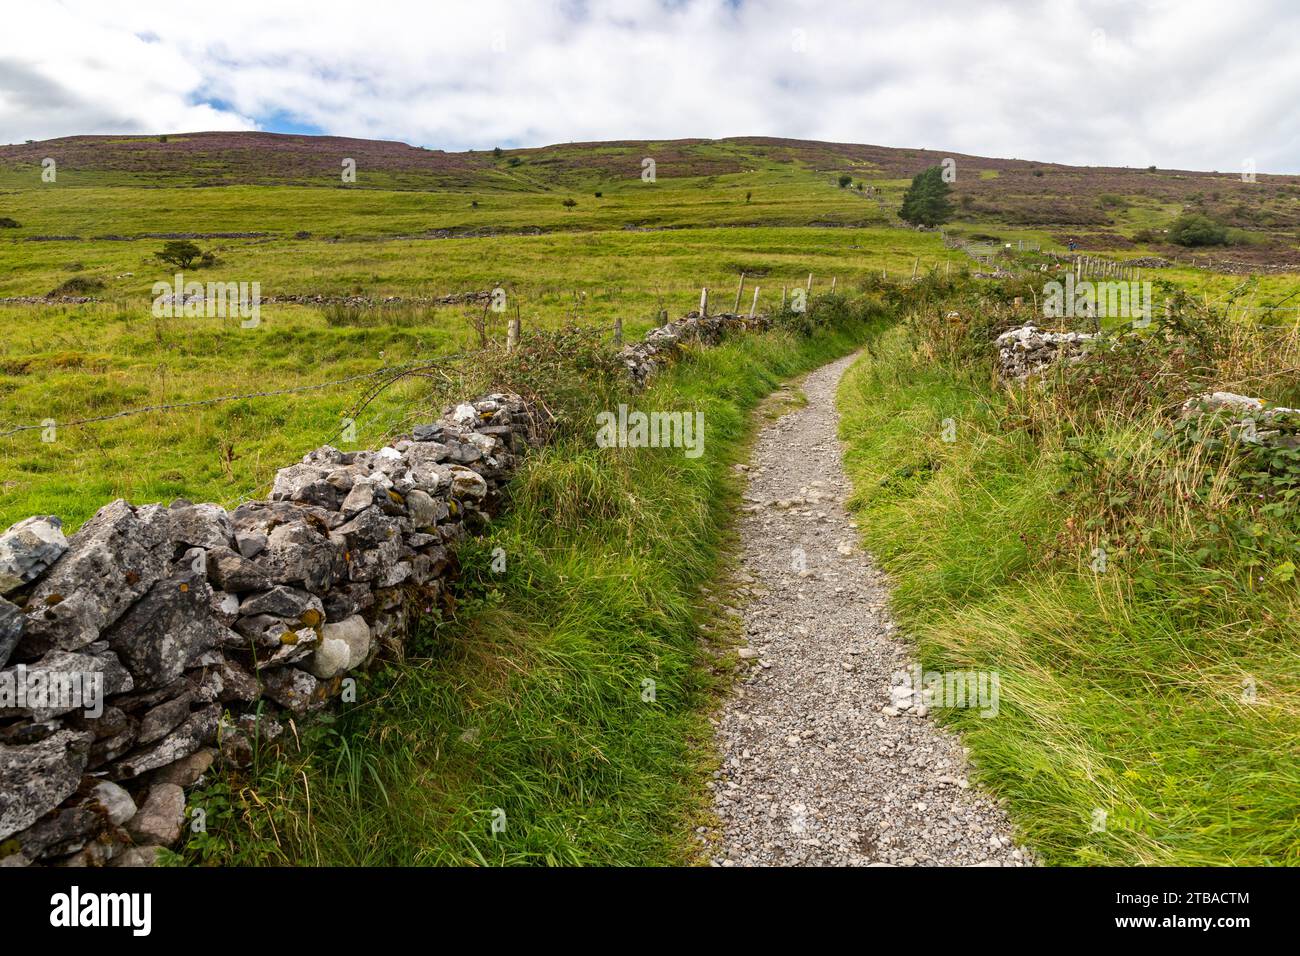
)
(70, 362)
(635, 251)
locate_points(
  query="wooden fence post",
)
(735, 309)
(753, 306)
(809, 287)
(512, 333)
(704, 302)
(618, 331)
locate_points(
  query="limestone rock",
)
(66, 830)
(344, 646)
(137, 856)
(159, 821)
(116, 802)
(198, 729)
(72, 681)
(11, 629)
(293, 689)
(186, 771)
(36, 778)
(28, 549)
(204, 526)
(298, 553)
(466, 483)
(167, 630)
(235, 573)
(422, 509)
(164, 718)
(110, 563)
(285, 602)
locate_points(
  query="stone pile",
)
(661, 345)
(1028, 350)
(365, 301)
(190, 614)
(46, 299)
(1249, 418)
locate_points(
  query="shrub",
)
(7, 223)
(1194, 229)
(79, 285)
(570, 203)
(845, 180)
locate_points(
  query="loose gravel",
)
(820, 764)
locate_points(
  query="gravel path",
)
(820, 766)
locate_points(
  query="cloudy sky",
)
(1196, 84)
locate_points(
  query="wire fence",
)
(390, 373)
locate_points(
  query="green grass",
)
(1120, 691)
(530, 697)
(69, 362)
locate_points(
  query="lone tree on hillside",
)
(1194, 229)
(181, 253)
(925, 203)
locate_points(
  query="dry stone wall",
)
(1028, 350)
(158, 639)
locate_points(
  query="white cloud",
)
(1171, 82)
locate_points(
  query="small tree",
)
(181, 253)
(570, 203)
(1193, 229)
(925, 203)
(496, 151)
(845, 180)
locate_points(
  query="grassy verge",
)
(1158, 685)
(563, 700)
